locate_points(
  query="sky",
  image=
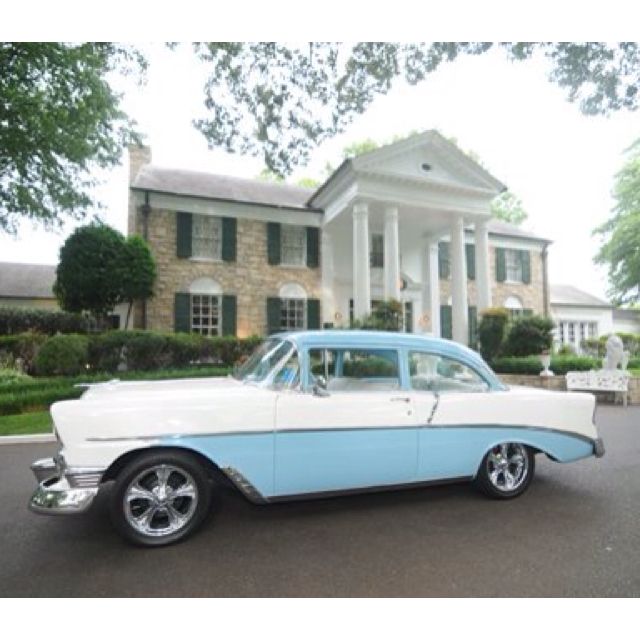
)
(559, 162)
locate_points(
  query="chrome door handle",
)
(400, 399)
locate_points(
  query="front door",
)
(359, 433)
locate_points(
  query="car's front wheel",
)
(160, 498)
(506, 470)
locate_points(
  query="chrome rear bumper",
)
(598, 447)
(62, 489)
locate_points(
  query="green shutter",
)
(229, 312)
(229, 234)
(273, 242)
(313, 313)
(473, 327)
(182, 312)
(313, 249)
(273, 315)
(470, 250)
(446, 327)
(183, 234)
(501, 265)
(525, 260)
(443, 260)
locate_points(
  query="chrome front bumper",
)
(62, 489)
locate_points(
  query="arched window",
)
(206, 307)
(513, 305)
(293, 304)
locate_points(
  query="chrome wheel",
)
(160, 501)
(508, 466)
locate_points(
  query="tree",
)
(137, 270)
(86, 274)
(98, 269)
(508, 207)
(59, 120)
(620, 251)
(279, 101)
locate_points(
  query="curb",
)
(35, 438)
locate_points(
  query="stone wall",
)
(558, 383)
(250, 278)
(531, 294)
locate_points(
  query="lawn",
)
(25, 423)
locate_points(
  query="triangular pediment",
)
(428, 156)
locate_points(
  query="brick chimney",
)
(139, 155)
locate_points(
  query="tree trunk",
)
(126, 324)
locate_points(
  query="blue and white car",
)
(308, 414)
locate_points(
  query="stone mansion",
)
(409, 221)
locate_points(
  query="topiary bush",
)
(491, 332)
(530, 335)
(63, 355)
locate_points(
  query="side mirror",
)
(320, 387)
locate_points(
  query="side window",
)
(432, 372)
(355, 369)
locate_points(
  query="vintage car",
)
(310, 413)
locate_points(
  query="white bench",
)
(611, 380)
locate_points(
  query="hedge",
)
(24, 346)
(32, 394)
(15, 320)
(531, 365)
(148, 350)
(63, 355)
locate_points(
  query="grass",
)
(25, 423)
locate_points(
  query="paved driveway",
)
(575, 533)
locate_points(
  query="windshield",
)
(263, 361)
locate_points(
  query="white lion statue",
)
(615, 353)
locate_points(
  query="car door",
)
(449, 438)
(359, 432)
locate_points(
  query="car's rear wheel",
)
(506, 470)
(160, 498)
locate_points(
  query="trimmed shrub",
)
(64, 355)
(12, 377)
(529, 335)
(491, 332)
(23, 346)
(16, 320)
(531, 365)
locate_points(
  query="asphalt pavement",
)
(574, 533)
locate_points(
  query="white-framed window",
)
(513, 265)
(206, 314)
(292, 313)
(593, 329)
(293, 245)
(572, 332)
(206, 237)
(376, 254)
(513, 305)
(560, 332)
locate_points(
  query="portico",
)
(406, 198)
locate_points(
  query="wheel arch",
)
(212, 469)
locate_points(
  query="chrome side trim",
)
(175, 436)
(244, 486)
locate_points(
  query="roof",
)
(27, 280)
(500, 228)
(337, 338)
(220, 187)
(567, 295)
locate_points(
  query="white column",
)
(483, 281)
(430, 286)
(361, 276)
(459, 304)
(391, 254)
(328, 295)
